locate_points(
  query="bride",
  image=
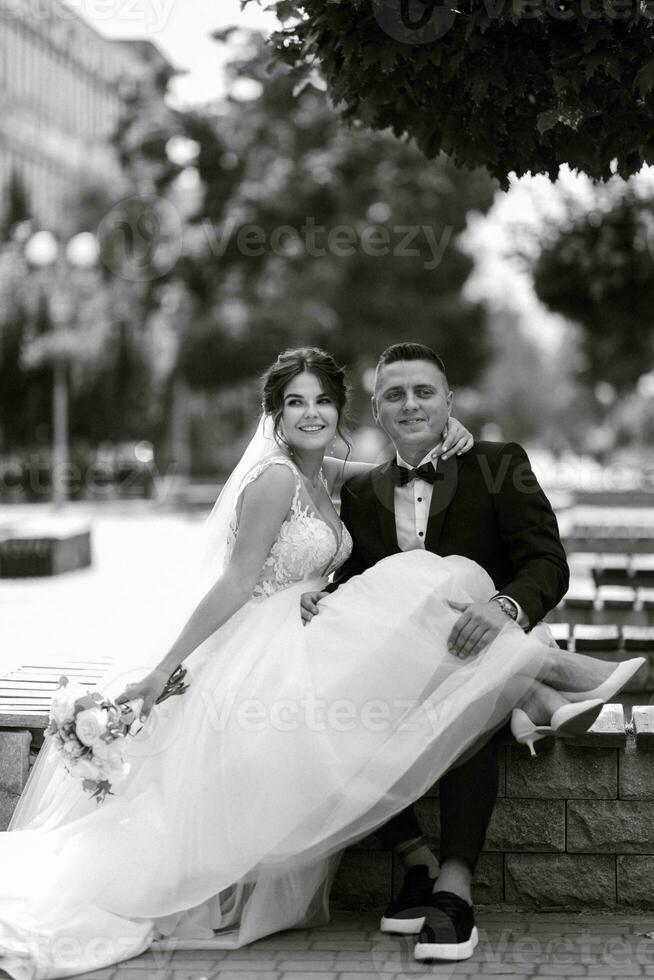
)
(290, 743)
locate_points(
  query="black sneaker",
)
(449, 931)
(406, 914)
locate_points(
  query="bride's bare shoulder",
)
(272, 478)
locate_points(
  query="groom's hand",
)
(476, 627)
(309, 605)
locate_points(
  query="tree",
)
(596, 268)
(327, 235)
(16, 206)
(24, 394)
(521, 86)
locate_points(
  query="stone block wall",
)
(572, 828)
(14, 769)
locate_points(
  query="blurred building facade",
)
(61, 86)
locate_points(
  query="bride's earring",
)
(281, 442)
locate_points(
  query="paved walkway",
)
(112, 609)
(519, 945)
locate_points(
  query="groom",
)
(486, 505)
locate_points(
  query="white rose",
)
(90, 724)
(63, 702)
(72, 749)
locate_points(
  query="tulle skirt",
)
(290, 743)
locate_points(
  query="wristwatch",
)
(506, 605)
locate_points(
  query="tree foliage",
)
(597, 269)
(325, 234)
(514, 85)
(24, 395)
(16, 205)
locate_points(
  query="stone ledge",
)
(14, 760)
(14, 769)
(643, 722)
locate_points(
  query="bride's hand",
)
(149, 689)
(309, 605)
(456, 439)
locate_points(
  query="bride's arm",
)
(456, 439)
(266, 502)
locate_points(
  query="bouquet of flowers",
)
(88, 728)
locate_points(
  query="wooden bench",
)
(589, 603)
(614, 642)
(26, 693)
(616, 539)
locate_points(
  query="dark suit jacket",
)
(487, 505)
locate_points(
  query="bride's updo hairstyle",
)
(293, 362)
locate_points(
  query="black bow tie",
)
(403, 475)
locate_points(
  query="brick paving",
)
(515, 944)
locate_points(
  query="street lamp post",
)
(43, 251)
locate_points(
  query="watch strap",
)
(507, 606)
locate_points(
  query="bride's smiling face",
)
(310, 415)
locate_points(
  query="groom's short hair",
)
(410, 352)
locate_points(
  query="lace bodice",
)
(305, 546)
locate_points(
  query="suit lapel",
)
(447, 479)
(384, 490)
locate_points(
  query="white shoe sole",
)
(447, 951)
(402, 927)
(576, 718)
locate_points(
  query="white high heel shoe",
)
(610, 687)
(569, 719)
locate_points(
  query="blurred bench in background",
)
(44, 546)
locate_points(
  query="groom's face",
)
(412, 404)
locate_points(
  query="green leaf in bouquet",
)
(102, 791)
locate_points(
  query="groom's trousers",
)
(467, 796)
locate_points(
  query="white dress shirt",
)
(412, 503)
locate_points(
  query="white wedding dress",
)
(290, 743)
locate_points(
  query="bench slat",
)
(26, 692)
